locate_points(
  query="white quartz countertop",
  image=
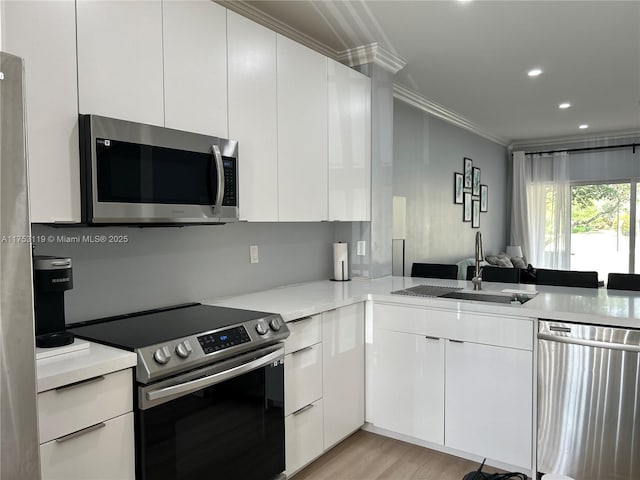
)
(581, 305)
(71, 367)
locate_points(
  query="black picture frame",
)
(476, 182)
(458, 188)
(467, 210)
(468, 173)
(475, 217)
(484, 198)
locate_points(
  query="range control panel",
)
(181, 354)
(231, 337)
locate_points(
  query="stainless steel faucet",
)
(477, 278)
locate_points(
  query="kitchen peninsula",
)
(456, 376)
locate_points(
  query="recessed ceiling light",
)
(534, 72)
(583, 126)
(564, 105)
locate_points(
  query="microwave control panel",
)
(230, 197)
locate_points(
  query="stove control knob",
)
(275, 324)
(162, 355)
(261, 327)
(183, 349)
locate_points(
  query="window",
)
(601, 227)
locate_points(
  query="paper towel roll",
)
(341, 261)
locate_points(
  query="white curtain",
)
(541, 209)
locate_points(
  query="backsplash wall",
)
(165, 266)
(427, 152)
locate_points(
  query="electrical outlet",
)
(253, 254)
(361, 248)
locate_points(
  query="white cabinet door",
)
(303, 437)
(120, 59)
(253, 117)
(406, 394)
(489, 401)
(103, 451)
(302, 378)
(349, 144)
(302, 132)
(44, 35)
(342, 372)
(195, 66)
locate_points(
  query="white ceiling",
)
(473, 58)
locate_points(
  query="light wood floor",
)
(367, 456)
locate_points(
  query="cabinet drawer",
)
(302, 378)
(501, 331)
(104, 452)
(303, 433)
(73, 407)
(304, 332)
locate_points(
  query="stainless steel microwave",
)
(132, 173)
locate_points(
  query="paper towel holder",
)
(344, 274)
(341, 270)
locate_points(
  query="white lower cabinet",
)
(101, 451)
(324, 383)
(407, 388)
(342, 372)
(489, 392)
(303, 436)
(456, 379)
(302, 378)
(86, 429)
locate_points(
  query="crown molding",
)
(272, 23)
(423, 103)
(581, 139)
(372, 53)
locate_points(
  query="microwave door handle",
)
(217, 207)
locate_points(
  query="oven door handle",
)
(200, 383)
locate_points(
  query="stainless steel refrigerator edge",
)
(19, 452)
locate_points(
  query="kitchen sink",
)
(492, 297)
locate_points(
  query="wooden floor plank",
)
(367, 456)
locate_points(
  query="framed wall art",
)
(466, 216)
(475, 221)
(458, 185)
(484, 198)
(468, 173)
(476, 182)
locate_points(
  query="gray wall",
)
(166, 266)
(427, 152)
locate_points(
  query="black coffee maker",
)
(52, 276)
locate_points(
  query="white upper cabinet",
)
(349, 144)
(253, 117)
(302, 132)
(43, 34)
(195, 66)
(120, 71)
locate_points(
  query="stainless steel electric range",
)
(209, 399)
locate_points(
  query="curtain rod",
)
(587, 149)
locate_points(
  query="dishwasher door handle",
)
(589, 343)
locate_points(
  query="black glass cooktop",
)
(153, 327)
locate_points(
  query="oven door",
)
(222, 421)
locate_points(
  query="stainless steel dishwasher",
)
(588, 401)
